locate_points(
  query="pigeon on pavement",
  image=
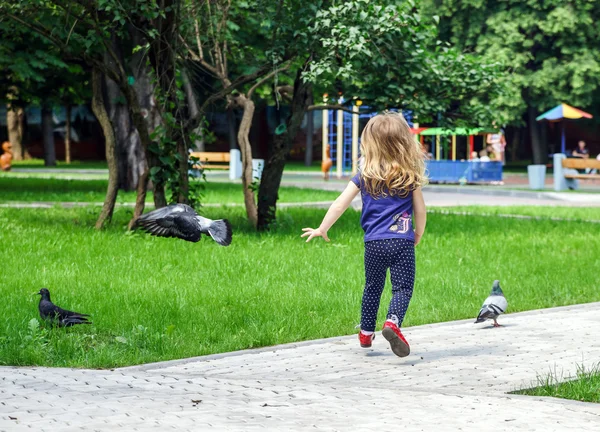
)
(493, 306)
(64, 318)
(182, 221)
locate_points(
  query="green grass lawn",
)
(76, 165)
(36, 189)
(585, 387)
(575, 213)
(299, 166)
(155, 299)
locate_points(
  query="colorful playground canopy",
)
(563, 111)
(456, 131)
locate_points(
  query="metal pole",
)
(355, 109)
(325, 132)
(563, 143)
(471, 145)
(339, 153)
(453, 147)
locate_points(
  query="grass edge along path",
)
(584, 387)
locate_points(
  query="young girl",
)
(390, 179)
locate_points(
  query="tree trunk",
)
(538, 147)
(14, 123)
(130, 153)
(68, 133)
(163, 59)
(99, 109)
(308, 155)
(231, 127)
(246, 150)
(48, 136)
(184, 178)
(131, 158)
(281, 145)
(193, 110)
(139, 116)
(141, 126)
(140, 200)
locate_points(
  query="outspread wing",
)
(178, 220)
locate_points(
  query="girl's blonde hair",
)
(392, 161)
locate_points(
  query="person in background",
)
(427, 151)
(483, 156)
(581, 151)
(474, 157)
(498, 144)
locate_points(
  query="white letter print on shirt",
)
(401, 223)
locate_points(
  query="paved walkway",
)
(457, 378)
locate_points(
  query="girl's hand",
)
(418, 238)
(312, 233)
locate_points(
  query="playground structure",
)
(451, 170)
(341, 134)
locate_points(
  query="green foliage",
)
(551, 49)
(385, 54)
(33, 71)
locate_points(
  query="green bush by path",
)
(155, 299)
(61, 190)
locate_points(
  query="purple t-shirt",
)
(385, 218)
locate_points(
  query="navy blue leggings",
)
(399, 256)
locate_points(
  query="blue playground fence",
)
(468, 172)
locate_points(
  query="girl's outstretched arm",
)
(420, 213)
(338, 208)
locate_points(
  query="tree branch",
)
(203, 63)
(231, 88)
(266, 78)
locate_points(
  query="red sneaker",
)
(365, 340)
(394, 336)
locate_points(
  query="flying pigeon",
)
(493, 306)
(64, 318)
(182, 221)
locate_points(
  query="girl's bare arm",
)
(337, 209)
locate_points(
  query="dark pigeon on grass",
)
(182, 221)
(493, 306)
(64, 318)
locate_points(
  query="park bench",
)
(231, 161)
(566, 174)
(212, 160)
